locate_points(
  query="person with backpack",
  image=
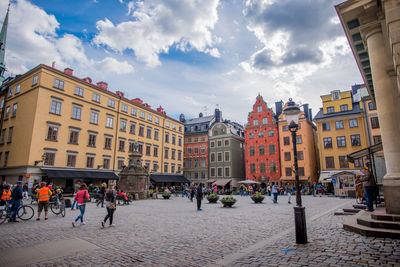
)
(199, 196)
(16, 200)
(81, 198)
(111, 205)
(43, 196)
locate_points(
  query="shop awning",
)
(79, 174)
(326, 177)
(291, 178)
(222, 182)
(364, 152)
(168, 178)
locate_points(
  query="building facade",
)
(306, 149)
(262, 158)
(52, 120)
(196, 147)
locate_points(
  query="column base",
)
(391, 192)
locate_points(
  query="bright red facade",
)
(262, 158)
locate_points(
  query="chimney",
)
(201, 115)
(305, 109)
(218, 115)
(278, 108)
(120, 94)
(182, 118)
(102, 85)
(68, 71)
(87, 79)
(310, 114)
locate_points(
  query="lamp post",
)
(291, 114)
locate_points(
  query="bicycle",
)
(24, 213)
(57, 205)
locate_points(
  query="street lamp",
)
(291, 114)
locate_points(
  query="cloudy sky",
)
(189, 56)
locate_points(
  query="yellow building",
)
(306, 149)
(57, 125)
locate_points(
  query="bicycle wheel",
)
(25, 212)
(3, 216)
(55, 208)
(62, 209)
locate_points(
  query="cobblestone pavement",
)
(173, 233)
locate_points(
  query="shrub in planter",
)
(212, 198)
(228, 201)
(258, 197)
(166, 195)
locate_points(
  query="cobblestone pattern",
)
(171, 233)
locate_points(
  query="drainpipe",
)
(162, 147)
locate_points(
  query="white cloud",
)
(112, 65)
(159, 25)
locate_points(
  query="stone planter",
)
(166, 196)
(212, 199)
(257, 199)
(227, 204)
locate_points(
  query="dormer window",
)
(335, 95)
(259, 109)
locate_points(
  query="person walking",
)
(288, 190)
(81, 198)
(102, 195)
(191, 191)
(319, 189)
(25, 191)
(16, 200)
(275, 192)
(359, 188)
(111, 205)
(77, 185)
(369, 187)
(199, 196)
(43, 196)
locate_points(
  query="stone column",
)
(387, 105)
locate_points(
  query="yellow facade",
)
(341, 131)
(49, 98)
(307, 154)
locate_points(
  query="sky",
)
(189, 56)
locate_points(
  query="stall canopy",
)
(326, 176)
(222, 182)
(365, 152)
(79, 174)
(168, 178)
(248, 182)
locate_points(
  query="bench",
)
(122, 198)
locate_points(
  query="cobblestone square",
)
(173, 233)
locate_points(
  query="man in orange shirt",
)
(43, 196)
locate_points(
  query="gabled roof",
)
(200, 120)
(356, 110)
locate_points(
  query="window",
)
(271, 133)
(71, 160)
(111, 103)
(121, 145)
(262, 167)
(261, 150)
(10, 133)
(110, 121)
(155, 151)
(122, 125)
(288, 171)
(106, 163)
(219, 156)
(124, 108)
(173, 139)
(167, 124)
(212, 172)
(172, 168)
(78, 91)
(73, 136)
(203, 162)
(166, 150)
(339, 124)
(343, 163)
(55, 107)
(251, 135)
(131, 146)
(327, 142)
(219, 143)
(3, 135)
(142, 114)
(326, 126)
(330, 162)
(166, 137)
(173, 152)
(299, 140)
(341, 141)
(212, 157)
(202, 150)
(59, 84)
(157, 120)
(189, 151)
(286, 140)
(196, 150)
(374, 122)
(300, 171)
(265, 120)
(35, 79)
(96, 98)
(2, 103)
(156, 134)
(92, 140)
(149, 117)
(252, 168)
(355, 140)
(330, 109)
(90, 162)
(132, 127)
(188, 163)
(108, 142)
(358, 163)
(52, 133)
(148, 132)
(285, 128)
(259, 109)
(300, 155)
(371, 105)
(261, 134)
(335, 95)
(49, 158)
(377, 139)
(165, 167)
(94, 117)
(76, 112)
(227, 171)
(10, 92)
(195, 163)
(353, 123)
(133, 111)
(271, 149)
(6, 155)
(287, 156)
(255, 122)
(179, 155)
(344, 107)
(252, 151)
(141, 130)
(226, 142)
(14, 111)
(272, 167)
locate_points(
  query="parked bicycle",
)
(57, 203)
(24, 213)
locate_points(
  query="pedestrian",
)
(314, 189)
(319, 189)
(101, 195)
(43, 196)
(274, 190)
(288, 190)
(81, 197)
(25, 191)
(16, 200)
(191, 191)
(199, 196)
(6, 194)
(250, 190)
(76, 189)
(111, 205)
(30, 185)
(359, 188)
(369, 186)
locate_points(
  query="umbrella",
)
(248, 182)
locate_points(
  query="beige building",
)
(55, 125)
(372, 28)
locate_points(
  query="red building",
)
(262, 156)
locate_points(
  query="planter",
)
(213, 198)
(257, 199)
(166, 196)
(228, 204)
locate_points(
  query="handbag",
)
(85, 198)
(112, 206)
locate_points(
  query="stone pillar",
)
(387, 105)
